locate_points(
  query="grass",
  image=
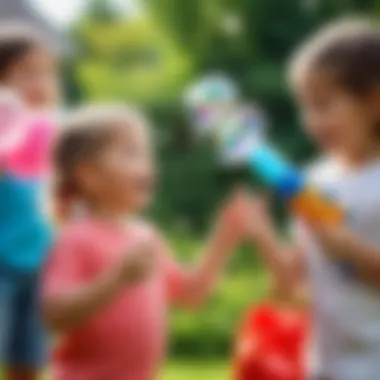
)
(186, 370)
(196, 370)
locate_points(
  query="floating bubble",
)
(209, 101)
(212, 89)
(216, 110)
(240, 134)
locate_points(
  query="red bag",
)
(270, 345)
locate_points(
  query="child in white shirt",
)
(336, 79)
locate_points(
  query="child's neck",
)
(108, 215)
(361, 158)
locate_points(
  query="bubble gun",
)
(239, 131)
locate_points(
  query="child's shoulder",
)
(321, 170)
(79, 232)
(89, 232)
(144, 227)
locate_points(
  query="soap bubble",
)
(216, 110)
(209, 101)
(212, 89)
(239, 134)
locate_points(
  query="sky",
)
(63, 12)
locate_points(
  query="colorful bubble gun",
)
(239, 130)
(25, 139)
(290, 185)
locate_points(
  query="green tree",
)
(122, 57)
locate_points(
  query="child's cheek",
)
(140, 197)
(143, 201)
(128, 195)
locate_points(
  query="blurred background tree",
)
(148, 57)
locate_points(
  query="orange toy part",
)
(316, 209)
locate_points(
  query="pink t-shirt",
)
(126, 340)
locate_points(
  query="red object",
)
(270, 344)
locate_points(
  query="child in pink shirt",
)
(111, 277)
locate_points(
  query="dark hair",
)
(85, 133)
(349, 49)
(16, 40)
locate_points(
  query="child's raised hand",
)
(234, 223)
(138, 262)
(245, 216)
(258, 220)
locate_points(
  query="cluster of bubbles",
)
(216, 109)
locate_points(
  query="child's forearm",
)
(68, 309)
(200, 281)
(280, 260)
(363, 258)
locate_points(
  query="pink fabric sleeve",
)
(30, 157)
(65, 267)
(11, 122)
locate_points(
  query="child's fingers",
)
(245, 207)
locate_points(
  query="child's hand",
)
(231, 223)
(243, 216)
(259, 223)
(138, 262)
(333, 239)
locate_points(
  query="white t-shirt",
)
(346, 336)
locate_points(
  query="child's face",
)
(124, 174)
(35, 77)
(339, 122)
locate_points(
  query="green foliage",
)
(122, 58)
(148, 59)
(200, 370)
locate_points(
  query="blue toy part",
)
(290, 185)
(269, 165)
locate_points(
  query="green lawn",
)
(190, 370)
(195, 370)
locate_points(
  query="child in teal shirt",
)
(27, 69)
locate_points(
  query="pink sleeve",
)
(65, 266)
(11, 122)
(30, 158)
